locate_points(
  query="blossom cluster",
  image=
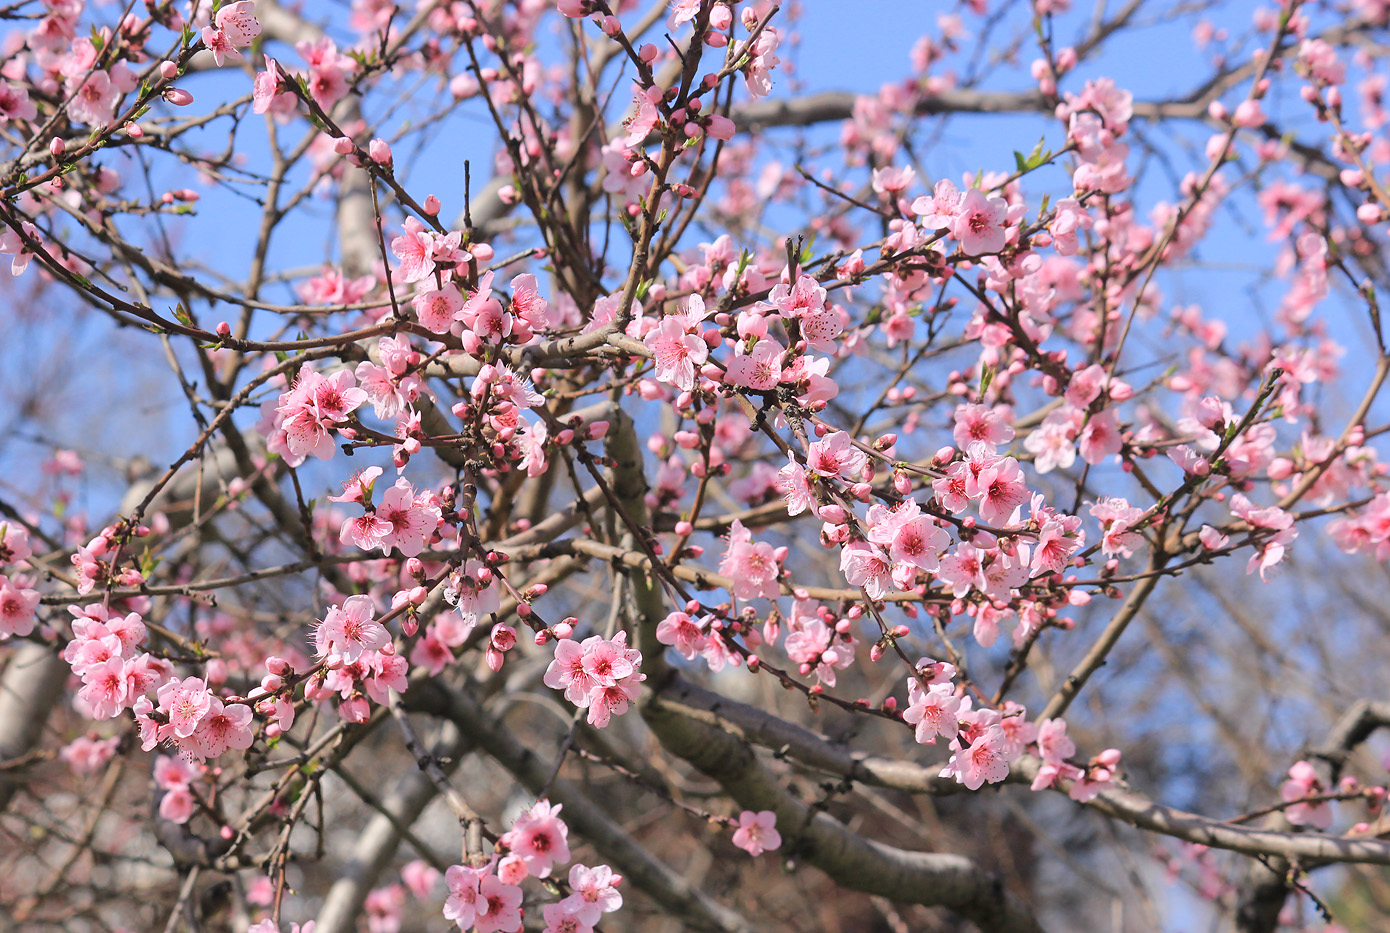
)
(598, 674)
(488, 898)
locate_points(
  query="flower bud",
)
(380, 151)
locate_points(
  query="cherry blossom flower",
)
(981, 423)
(982, 762)
(1304, 782)
(753, 566)
(538, 837)
(866, 565)
(642, 121)
(979, 225)
(677, 353)
(410, 518)
(757, 832)
(938, 211)
(349, 630)
(932, 711)
(436, 308)
(465, 901)
(595, 893)
(791, 482)
(17, 606)
(680, 631)
(835, 456)
(503, 906)
(185, 702)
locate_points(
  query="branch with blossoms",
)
(728, 399)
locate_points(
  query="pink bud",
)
(431, 205)
(832, 513)
(168, 70)
(483, 252)
(56, 146)
(224, 329)
(342, 145)
(380, 151)
(1110, 757)
(721, 127)
(1248, 114)
(574, 9)
(178, 96)
(494, 659)
(648, 53)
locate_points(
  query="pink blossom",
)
(1304, 782)
(93, 99)
(1054, 745)
(17, 606)
(224, 726)
(835, 456)
(998, 488)
(350, 630)
(87, 754)
(558, 916)
(14, 543)
(185, 702)
(415, 249)
(866, 565)
(757, 74)
(436, 308)
(412, 518)
(104, 688)
(595, 893)
(1100, 437)
(757, 832)
(503, 906)
(465, 902)
(681, 632)
(753, 566)
(178, 804)
(981, 423)
(420, 877)
(642, 122)
(939, 210)
(980, 224)
(238, 21)
(931, 711)
(677, 353)
(538, 837)
(982, 762)
(791, 482)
